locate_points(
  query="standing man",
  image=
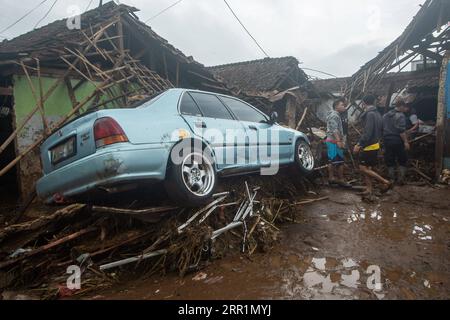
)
(335, 144)
(369, 145)
(395, 140)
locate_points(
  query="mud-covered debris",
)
(111, 243)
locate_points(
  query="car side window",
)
(211, 106)
(243, 111)
(188, 106)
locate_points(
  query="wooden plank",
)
(121, 39)
(302, 118)
(6, 91)
(71, 92)
(48, 246)
(429, 54)
(131, 211)
(441, 117)
(389, 95)
(291, 109)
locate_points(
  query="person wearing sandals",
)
(335, 142)
(368, 145)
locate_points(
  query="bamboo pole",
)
(303, 118)
(33, 92)
(105, 85)
(50, 91)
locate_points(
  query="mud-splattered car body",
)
(76, 160)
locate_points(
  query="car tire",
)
(304, 158)
(192, 180)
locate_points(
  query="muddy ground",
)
(328, 254)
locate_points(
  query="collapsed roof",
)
(391, 81)
(120, 59)
(427, 35)
(264, 75)
(49, 42)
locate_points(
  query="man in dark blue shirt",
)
(396, 140)
(368, 145)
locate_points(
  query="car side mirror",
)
(273, 117)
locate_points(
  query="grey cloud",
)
(329, 35)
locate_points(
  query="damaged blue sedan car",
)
(184, 138)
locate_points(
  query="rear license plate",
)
(63, 151)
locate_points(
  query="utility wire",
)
(162, 11)
(89, 5)
(23, 17)
(46, 14)
(328, 74)
(240, 22)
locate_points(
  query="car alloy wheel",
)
(305, 156)
(198, 174)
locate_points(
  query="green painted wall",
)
(57, 106)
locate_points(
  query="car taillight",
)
(108, 131)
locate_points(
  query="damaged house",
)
(272, 84)
(426, 38)
(54, 73)
(423, 85)
(414, 67)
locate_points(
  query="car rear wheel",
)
(192, 181)
(304, 158)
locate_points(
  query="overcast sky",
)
(336, 36)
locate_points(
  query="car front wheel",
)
(192, 181)
(304, 158)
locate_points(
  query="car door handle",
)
(252, 127)
(200, 124)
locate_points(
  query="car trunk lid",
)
(73, 141)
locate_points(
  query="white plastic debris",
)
(19, 252)
(200, 276)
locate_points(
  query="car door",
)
(211, 120)
(268, 143)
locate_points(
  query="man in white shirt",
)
(415, 123)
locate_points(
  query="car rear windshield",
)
(188, 106)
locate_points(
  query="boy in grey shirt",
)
(335, 144)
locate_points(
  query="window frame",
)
(232, 115)
(195, 102)
(248, 104)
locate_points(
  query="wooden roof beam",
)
(430, 54)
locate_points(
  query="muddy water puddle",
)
(342, 249)
(325, 278)
(397, 223)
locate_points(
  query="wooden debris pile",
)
(422, 164)
(104, 241)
